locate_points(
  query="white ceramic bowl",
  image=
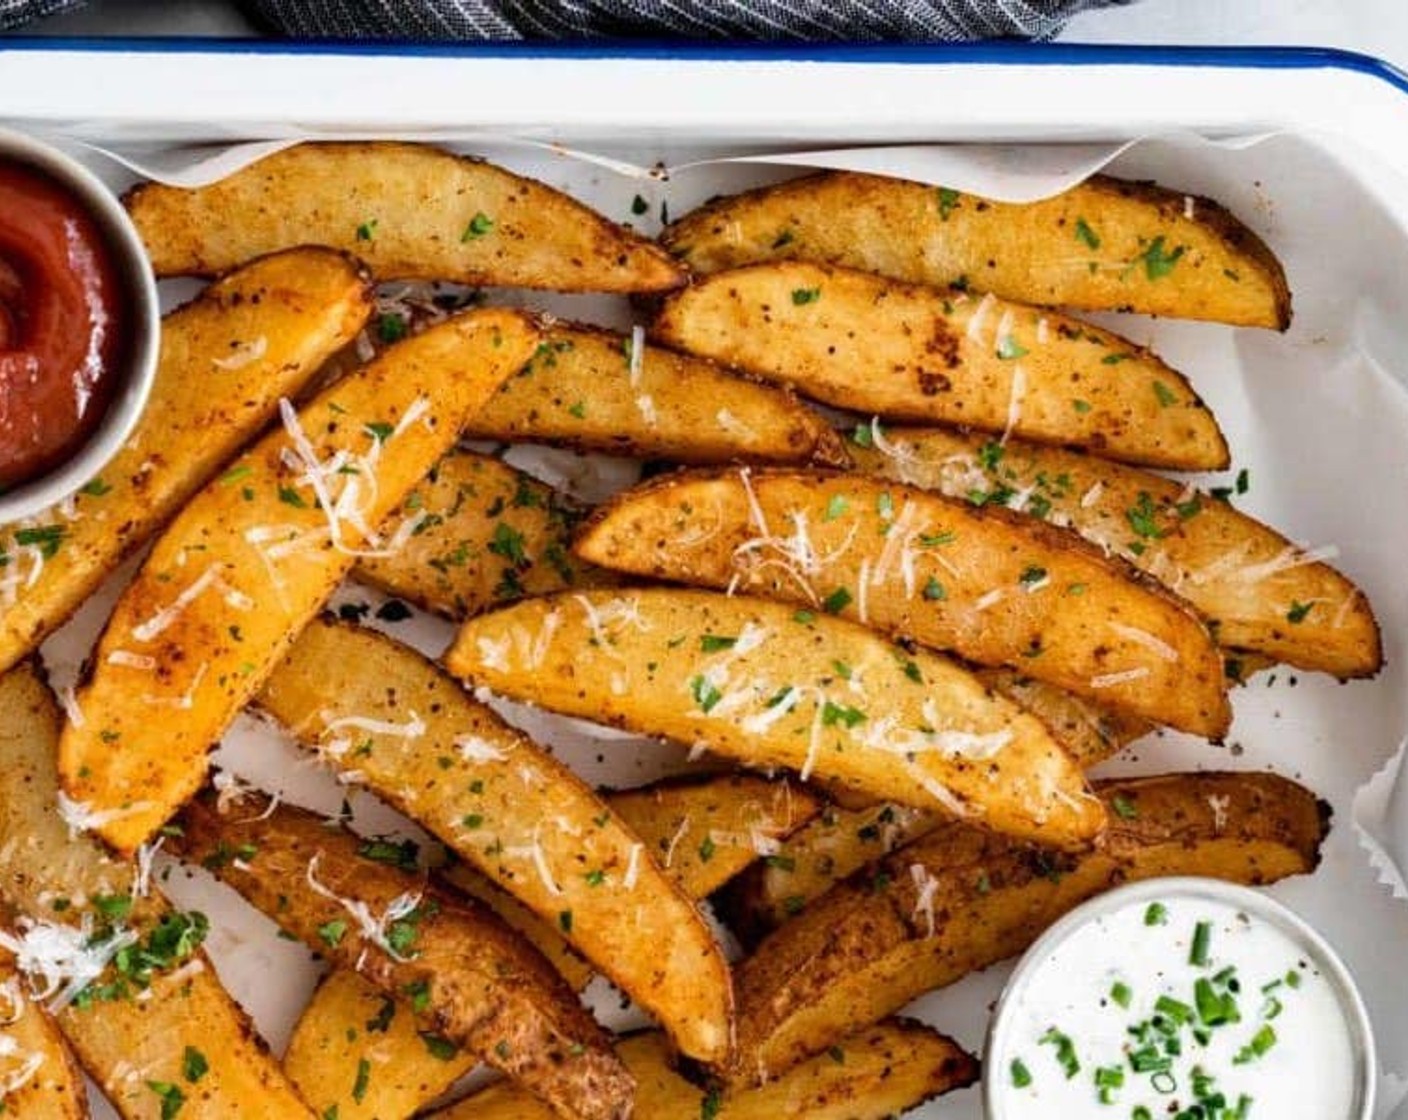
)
(139, 286)
(1313, 949)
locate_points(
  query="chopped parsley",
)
(837, 601)
(1298, 611)
(1085, 235)
(1165, 395)
(713, 643)
(1008, 348)
(803, 296)
(1157, 262)
(948, 200)
(478, 226)
(193, 1065)
(705, 694)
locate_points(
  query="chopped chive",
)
(1021, 1076)
(1202, 939)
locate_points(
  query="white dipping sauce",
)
(1290, 1057)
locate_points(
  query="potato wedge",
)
(958, 900)
(253, 556)
(412, 212)
(38, 1076)
(994, 588)
(483, 534)
(507, 807)
(469, 977)
(226, 358)
(1258, 590)
(134, 1018)
(907, 352)
(348, 1021)
(888, 1069)
(751, 680)
(1104, 245)
(845, 837)
(587, 389)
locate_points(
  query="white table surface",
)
(1377, 27)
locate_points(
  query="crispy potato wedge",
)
(412, 212)
(739, 814)
(994, 588)
(749, 679)
(470, 977)
(182, 1006)
(908, 352)
(506, 806)
(1258, 590)
(252, 557)
(226, 359)
(885, 1070)
(846, 836)
(586, 388)
(484, 534)
(38, 1076)
(1104, 245)
(958, 900)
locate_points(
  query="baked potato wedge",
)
(411, 211)
(845, 836)
(589, 389)
(38, 1076)
(1104, 245)
(773, 687)
(907, 352)
(958, 900)
(994, 588)
(252, 557)
(483, 533)
(880, 1072)
(161, 1011)
(226, 359)
(468, 976)
(1258, 590)
(348, 1021)
(508, 808)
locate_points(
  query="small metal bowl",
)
(1314, 949)
(134, 272)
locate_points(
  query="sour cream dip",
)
(1180, 999)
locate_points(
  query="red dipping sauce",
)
(64, 324)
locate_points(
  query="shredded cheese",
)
(633, 867)
(1112, 680)
(473, 748)
(143, 663)
(82, 817)
(372, 929)
(160, 622)
(980, 314)
(412, 728)
(927, 887)
(734, 426)
(61, 960)
(243, 354)
(1219, 806)
(1016, 397)
(1149, 641)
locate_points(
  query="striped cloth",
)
(799, 20)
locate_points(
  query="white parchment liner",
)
(1319, 416)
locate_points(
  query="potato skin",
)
(1104, 245)
(867, 947)
(411, 211)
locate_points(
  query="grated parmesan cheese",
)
(82, 817)
(633, 867)
(928, 887)
(637, 355)
(373, 929)
(63, 957)
(242, 354)
(1015, 399)
(473, 748)
(1111, 680)
(980, 314)
(413, 728)
(1149, 641)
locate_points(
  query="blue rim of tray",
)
(995, 53)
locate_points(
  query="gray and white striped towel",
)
(795, 20)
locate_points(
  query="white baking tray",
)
(1305, 146)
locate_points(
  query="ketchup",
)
(63, 324)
